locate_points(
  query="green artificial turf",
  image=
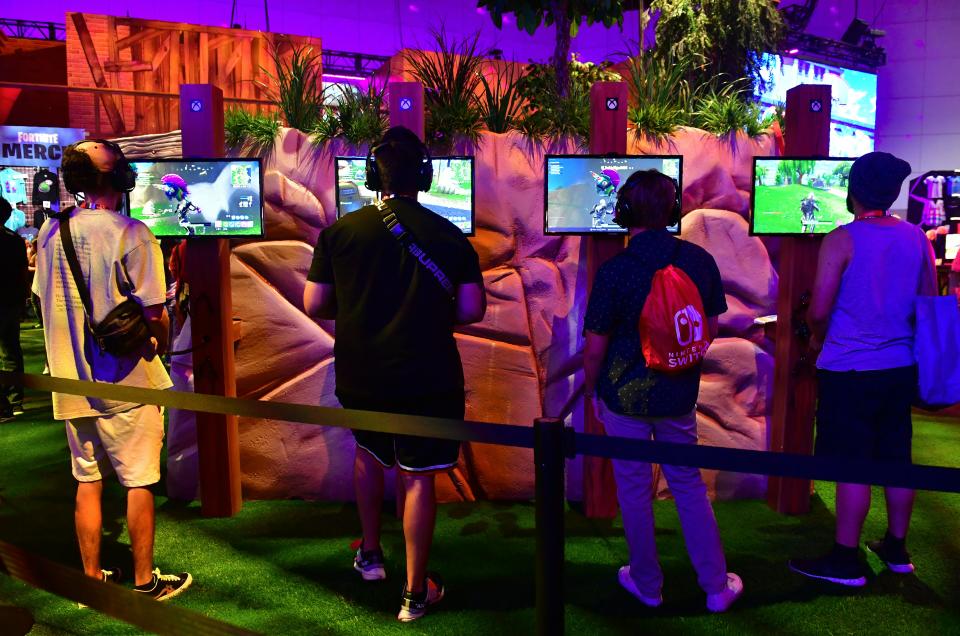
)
(777, 209)
(283, 567)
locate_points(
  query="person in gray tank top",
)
(869, 274)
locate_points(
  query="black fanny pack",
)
(124, 330)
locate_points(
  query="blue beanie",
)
(876, 179)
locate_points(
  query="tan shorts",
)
(127, 443)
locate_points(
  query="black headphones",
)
(80, 175)
(623, 209)
(424, 177)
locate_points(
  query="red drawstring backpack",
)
(673, 329)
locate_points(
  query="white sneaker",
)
(627, 583)
(721, 601)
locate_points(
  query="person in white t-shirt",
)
(120, 259)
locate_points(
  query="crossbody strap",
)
(400, 233)
(71, 253)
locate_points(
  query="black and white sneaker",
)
(165, 586)
(17, 409)
(369, 563)
(833, 568)
(413, 606)
(893, 553)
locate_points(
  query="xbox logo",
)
(406, 103)
(816, 105)
(613, 103)
(196, 105)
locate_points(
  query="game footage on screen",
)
(198, 198)
(799, 196)
(582, 190)
(450, 196)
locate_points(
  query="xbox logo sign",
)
(196, 105)
(406, 103)
(613, 103)
(816, 105)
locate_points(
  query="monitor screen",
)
(953, 246)
(853, 112)
(450, 196)
(581, 190)
(794, 196)
(199, 197)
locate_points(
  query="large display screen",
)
(450, 196)
(194, 197)
(581, 190)
(795, 196)
(853, 114)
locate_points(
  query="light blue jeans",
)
(635, 493)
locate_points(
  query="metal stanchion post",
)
(548, 457)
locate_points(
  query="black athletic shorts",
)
(413, 454)
(866, 414)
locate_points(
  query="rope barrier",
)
(109, 598)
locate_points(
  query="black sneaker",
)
(165, 586)
(369, 563)
(18, 409)
(832, 568)
(894, 554)
(413, 606)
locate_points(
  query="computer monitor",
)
(853, 113)
(793, 196)
(217, 198)
(580, 191)
(450, 196)
(953, 246)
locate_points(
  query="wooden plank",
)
(243, 79)
(608, 134)
(149, 84)
(204, 59)
(139, 103)
(219, 41)
(129, 66)
(134, 38)
(794, 376)
(162, 52)
(232, 62)
(93, 61)
(113, 54)
(208, 273)
(173, 81)
(190, 72)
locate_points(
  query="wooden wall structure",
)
(136, 67)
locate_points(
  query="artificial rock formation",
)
(524, 359)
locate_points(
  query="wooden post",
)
(406, 109)
(795, 383)
(608, 134)
(211, 317)
(406, 106)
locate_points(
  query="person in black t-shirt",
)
(13, 273)
(396, 304)
(634, 401)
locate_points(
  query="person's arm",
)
(320, 300)
(929, 285)
(471, 303)
(594, 353)
(831, 263)
(159, 325)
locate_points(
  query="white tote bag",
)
(937, 350)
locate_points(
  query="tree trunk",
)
(561, 52)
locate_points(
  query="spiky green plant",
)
(358, 116)
(660, 94)
(243, 127)
(726, 111)
(296, 84)
(501, 104)
(451, 78)
(550, 115)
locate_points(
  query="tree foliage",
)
(727, 37)
(566, 15)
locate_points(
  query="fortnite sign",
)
(35, 147)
